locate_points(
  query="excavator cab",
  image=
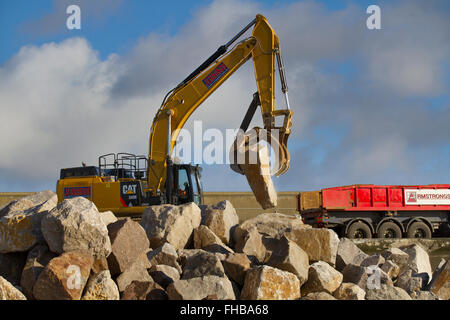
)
(184, 184)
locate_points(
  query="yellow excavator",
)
(126, 184)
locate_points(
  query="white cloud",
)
(61, 104)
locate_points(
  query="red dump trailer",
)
(366, 211)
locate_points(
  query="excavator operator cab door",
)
(187, 184)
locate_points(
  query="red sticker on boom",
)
(215, 75)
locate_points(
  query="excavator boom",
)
(263, 48)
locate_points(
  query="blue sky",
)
(370, 106)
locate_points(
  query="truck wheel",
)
(389, 230)
(419, 230)
(359, 230)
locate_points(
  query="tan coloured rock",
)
(166, 254)
(205, 237)
(11, 266)
(202, 264)
(108, 217)
(200, 288)
(387, 293)
(28, 202)
(268, 283)
(251, 244)
(425, 295)
(101, 287)
(440, 283)
(348, 253)
(138, 271)
(128, 242)
(355, 274)
(75, 224)
(260, 180)
(366, 277)
(271, 225)
(9, 292)
(164, 275)
(288, 256)
(64, 277)
(318, 296)
(170, 223)
(20, 230)
(144, 290)
(396, 255)
(373, 260)
(319, 244)
(37, 259)
(221, 219)
(322, 278)
(411, 284)
(349, 291)
(100, 265)
(236, 266)
(391, 269)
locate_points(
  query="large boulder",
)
(144, 290)
(387, 293)
(366, 277)
(166, 254)
(349, 291)
(128, 242)
(101, 287)
(391, 269)
(270, 225)
(396, 255)
(319, 244)
(11, 266)
(221, 218)
(138, 271)
(170, 223)
(64, 277)
(9, 292)
(268, 283)
(288, 256)
(201, 287)
(251, 243)
(30, 201)
(202, 264)
(20, 221)
(204, 237)
(259, 178)
(318, 296)
(418, 262)
(75, 224)
(37, 259)
(164, 275)
(322, 278)
(236, 266)
(440, 283)
(348, 253)
(410, 283)
(373, 260)
(108, 217)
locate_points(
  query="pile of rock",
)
(72, 251)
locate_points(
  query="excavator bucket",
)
(251, 158)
